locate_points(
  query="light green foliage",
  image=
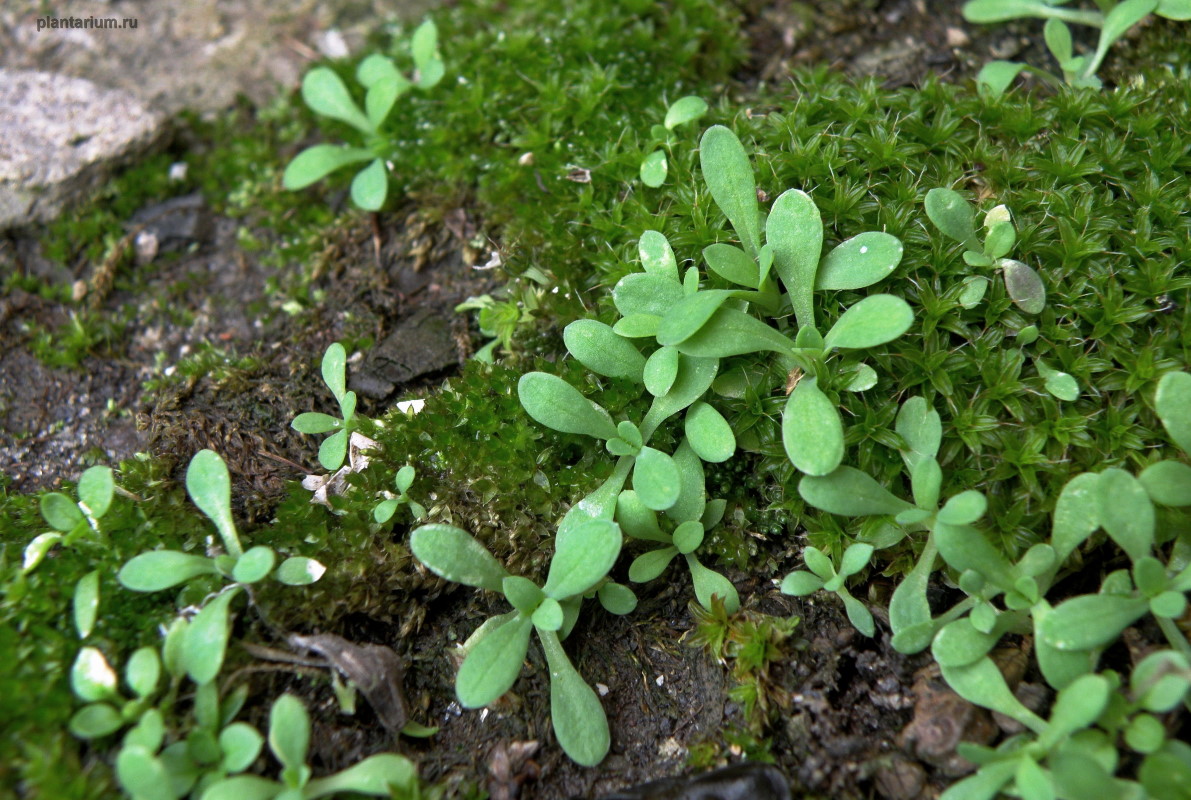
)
(824, 575)
(584, 553)
(388, 507)
(654, 166)
(1113, 18)
(333, 451)
(327, 95)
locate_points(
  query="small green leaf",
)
(637, 326)
(1124, 16)
(858, 614)
(875, 320)
(637, 520)
(850, 493)
(709, 433)
(1076, 515)
(255, 565)
(689, 315)
(800, 583)
(648, 566)
(246, 787)
(1091, 621)
(732, 264)
(575, 711)
(333, 451)
(688, 536)
(423, 45)
(556, 404)
(1168, 605)
(964, 509)
(143, 671)
(241, 744)
(334, 369)
(661, 368)
(1168, 483)
(36, 550)
(729, 177)
(1000, 240)
(684, 110)
(376, 68)
(926, 479)
(1024, 286)
(860, 261)
(1174, 9)
(966, 548)
(161, 569)
(855, 558)
(794, 229)
(381, 775)
(1126, 513)
(1078, 706)
(692, 493)
(995, 77)
(709, 583)
(522, 593)
(959, 643)
(91, 677)
(863, 377)
(654, 168)
(315, 163)
(381, 97)
(598, 348)
(616, 598)
(493, 663)
(95, 720)
(548, 616)
(206, 639)
(209, 486)
(86, 603)
(299, 571)
(96, 487)
(61, 512)
(812, 432)
(656, 479)
(583, 554)
(1161, 680)
(142, 774)
(951, 213)
(657, 257)
(325, 94)
(371, 186)
(983, 684)
(730, 332)
(909, 608)
(149, 732)
(289, 731)
(1172, 402)
(171, 648)
(646, 293)
(694, 379)
(314, 422)
(455, 555)
(973, 291)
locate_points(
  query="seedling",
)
(388, 507)
(209, 486)
(333, 450)
(654, 167)
(824, 575)
(495, 652)
(289, 741)
(326, 94)
(1114, 18)
(72, 520)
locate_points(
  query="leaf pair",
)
(333, 450)
(387, 508)
(823, 575)
(654, 166)
(69, 519)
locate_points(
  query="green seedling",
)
(326, 95)
(209, 486)
(289, 741)
(640, 522)
(387, 508)
(824, 576)
(1113, 18)
(654, 167)
(70, 519)
(94, 681)
(583, 555)
(333, 450)
(954, 217)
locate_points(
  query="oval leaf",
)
(1024, 286)
(556, 404)
(91, 677)
(96, 487)
(161, 569)
(377, 775)
(371, 186)
(732, 264)
(325, 93)
(1172, 402)
(142, 775)
(794, 229)
(493, 663)
(86, 603)
(656, 479)
(730, 332)
(210, 489)
(317, 162)
(646, 293)
(206, 639)
(661, 368)
(684, 110)
(1126, 512)
(583, 555)
(598, 348)
(1168, 483)
(289, 731)
(256, 563)
(648, 566)
(657, 257)
(689, 315)
(616, 598)
(299, 571)
(454, 554)
(575, 710)
(812, 432)
(654, 169)
(850, 493)
(1091, 621)
(709, 433)
(951, 213)
(709, 583)
(860, 261)
(60, 511)
(729, 177)
(875, 320)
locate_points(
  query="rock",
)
(420, 345)
(59, 138)
(176, 223)
(746, 781)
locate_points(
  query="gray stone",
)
(59, 138)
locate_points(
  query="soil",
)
(858, 717)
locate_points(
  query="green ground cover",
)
(1097, 185)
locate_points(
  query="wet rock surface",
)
(420, 345)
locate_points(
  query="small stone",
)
(332, 44)
(147, 247)
(957, 38)
(602, 689)
(526, 160)
(178, 171)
